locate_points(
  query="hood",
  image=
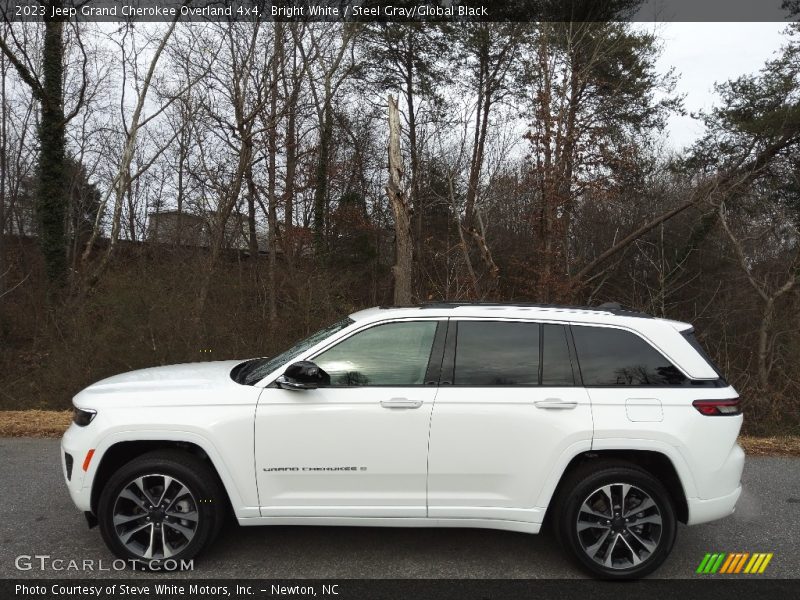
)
(173, 381)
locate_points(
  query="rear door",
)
(508, 409)
(630, 382)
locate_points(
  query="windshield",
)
(253, 371)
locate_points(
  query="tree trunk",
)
(544, 242)
(414, 199)
(321, 189)
(3, 170)
(566, 171)
(763, 343)
(131, 214)
(272, 208)
(402, 269)
(252, 239)
(51, 198)
(183, 155)
(217, 243)
(291, 153)
(477, 146)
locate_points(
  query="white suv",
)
(608, 425)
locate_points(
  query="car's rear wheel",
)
(161, 509)
(616, 520)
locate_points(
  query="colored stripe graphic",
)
(717, 564)
(703, 563)
(728, 562)
(757, 564)
(764, 564)
(750, 564)
(734, 562)
(711, 562)
(740, 564)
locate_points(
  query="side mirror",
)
(303, 375)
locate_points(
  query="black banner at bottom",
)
(167, 588)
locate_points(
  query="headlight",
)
(83, 416)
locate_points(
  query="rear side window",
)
(612, 357)
(556, 364)
(497, 353)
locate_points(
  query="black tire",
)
(204, 512)
(587, 483)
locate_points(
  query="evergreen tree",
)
(51, 196)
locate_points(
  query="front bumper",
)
(77, 442)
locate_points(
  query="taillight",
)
(717, 408)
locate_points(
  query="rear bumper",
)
(703, 511)
(719, 489)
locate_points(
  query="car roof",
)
(609, 314)
(661, 333)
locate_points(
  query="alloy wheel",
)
(619, 526)
(155, 516)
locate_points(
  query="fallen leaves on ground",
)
(34, 423)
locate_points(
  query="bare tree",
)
(492, 49)
(272, 176)
(719, 185)
(292, 84)
(328, 64)
(768, 294)
(404, 247)
(247, 97)
(123, 178)
(407, 58)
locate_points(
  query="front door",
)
(358, 447)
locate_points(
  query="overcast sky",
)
(703, 53)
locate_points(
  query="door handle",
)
(401, 403)
(555, 403)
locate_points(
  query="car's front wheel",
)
(616, 520)
(162, 506)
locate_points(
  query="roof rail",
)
(608, 307)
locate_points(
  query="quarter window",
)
(612, 357)
(394, 354)
(497, 353)
(689, 336)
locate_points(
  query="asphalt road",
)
(37, 518)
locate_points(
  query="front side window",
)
(394, 354)
(612, 357)
(497, 353)
(253, 371)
